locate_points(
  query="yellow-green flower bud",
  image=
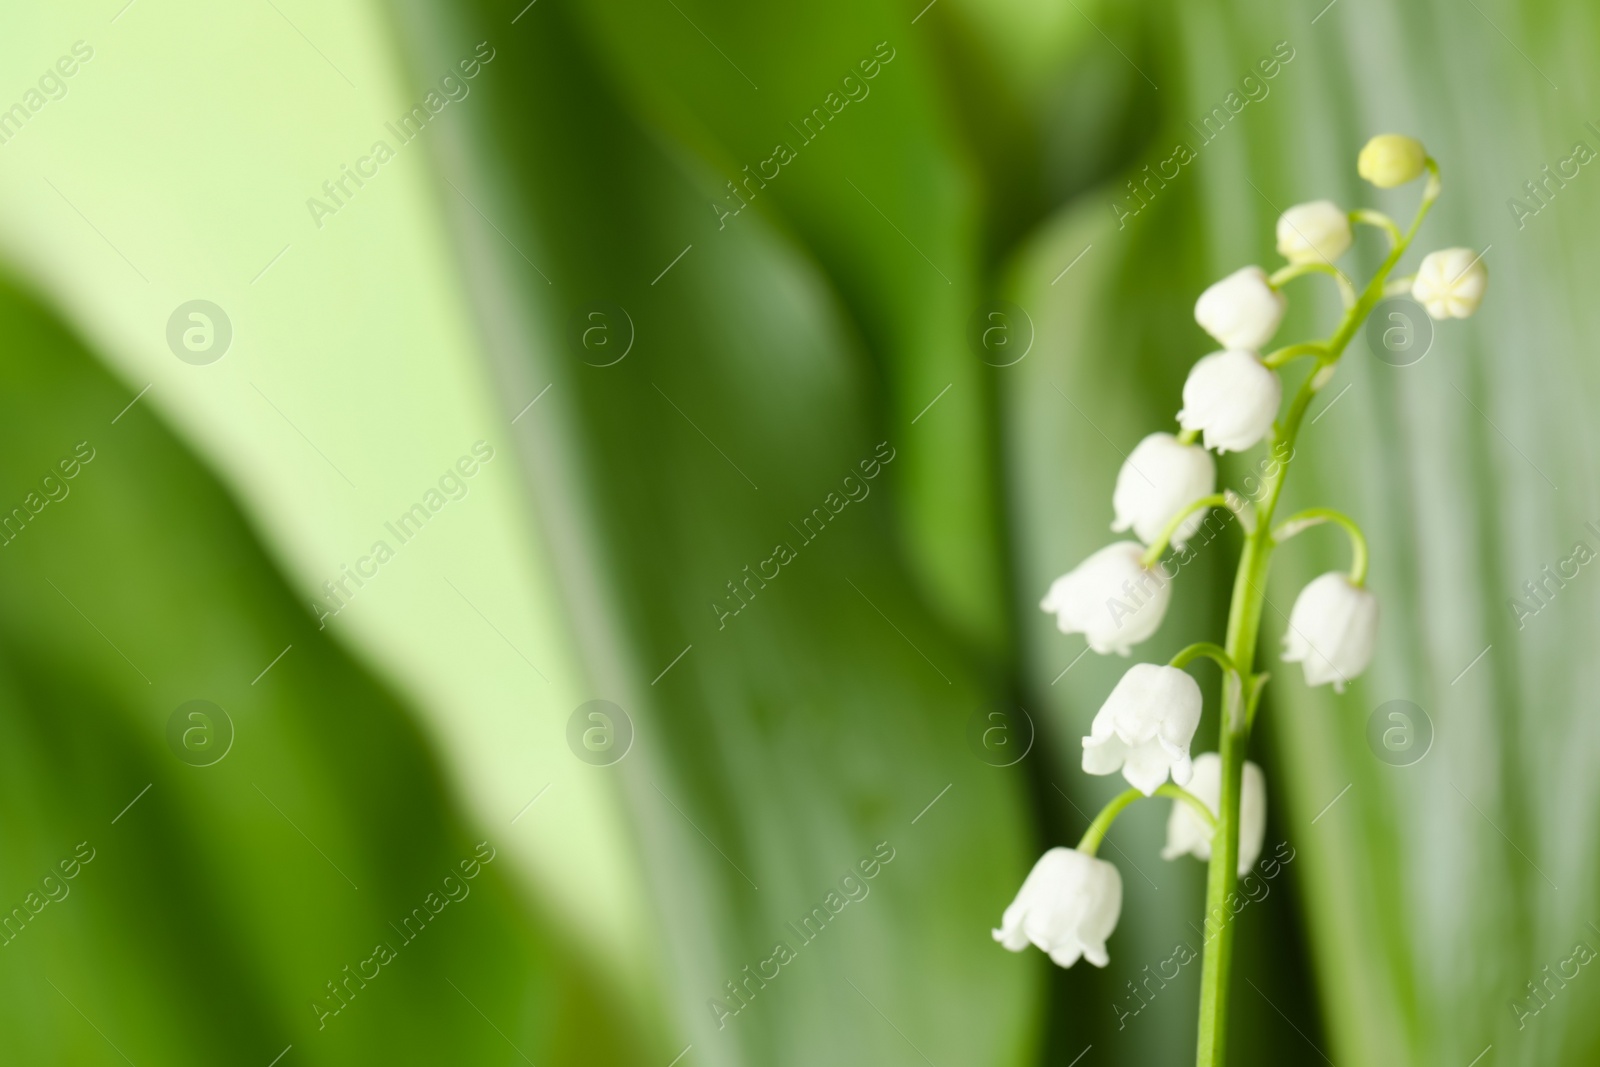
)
(1391, 159)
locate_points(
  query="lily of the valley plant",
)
(1232, 401)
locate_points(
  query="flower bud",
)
(1242, 310)
(1318, 232)
(1391, 159)
(1450, 283)
(1068, 906)
(1333, 628)
(1232, 398)
(1188, 834)
(1144, 728)
(1160, 478)
(1111, 598)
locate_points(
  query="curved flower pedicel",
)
(1161, 477)
(1190, 835)
(1333, 626)
(1232, 400)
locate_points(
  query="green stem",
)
(1253, 698)
(1096, 833)
(1090, 843)
(1368, 217)
(1295, 351)
(1241, 691)
(1288, 274)
(1203, 648)
(1177, 792)
(1317, 516)
(1400, 286)
(1159, 545)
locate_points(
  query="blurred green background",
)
(758, 340)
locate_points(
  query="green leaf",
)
(817, 713)
(231, 865)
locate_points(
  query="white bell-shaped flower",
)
(1068, 906)
(1318, 232)
(1232, 398)
(1188, 834)
(1144, 728)
(1450, 283)
(1111, 598)
(1333, 628)
(1242, 310)
(1160, 478)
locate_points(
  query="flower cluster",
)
(1117, 597)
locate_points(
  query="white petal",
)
(1332, 630)
(1242, 310)
(1451, 283)
(1188, 834)
(1252, 816)
(1161, 477)
(1232, 398)
(1182, 769)
(1153, 711)
(1103, 756)
(1147, 767)
(1110, 598)
(1183, 708)
(1105, 906)
(1069, 952)
(1067, 906)
(1148, 698)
